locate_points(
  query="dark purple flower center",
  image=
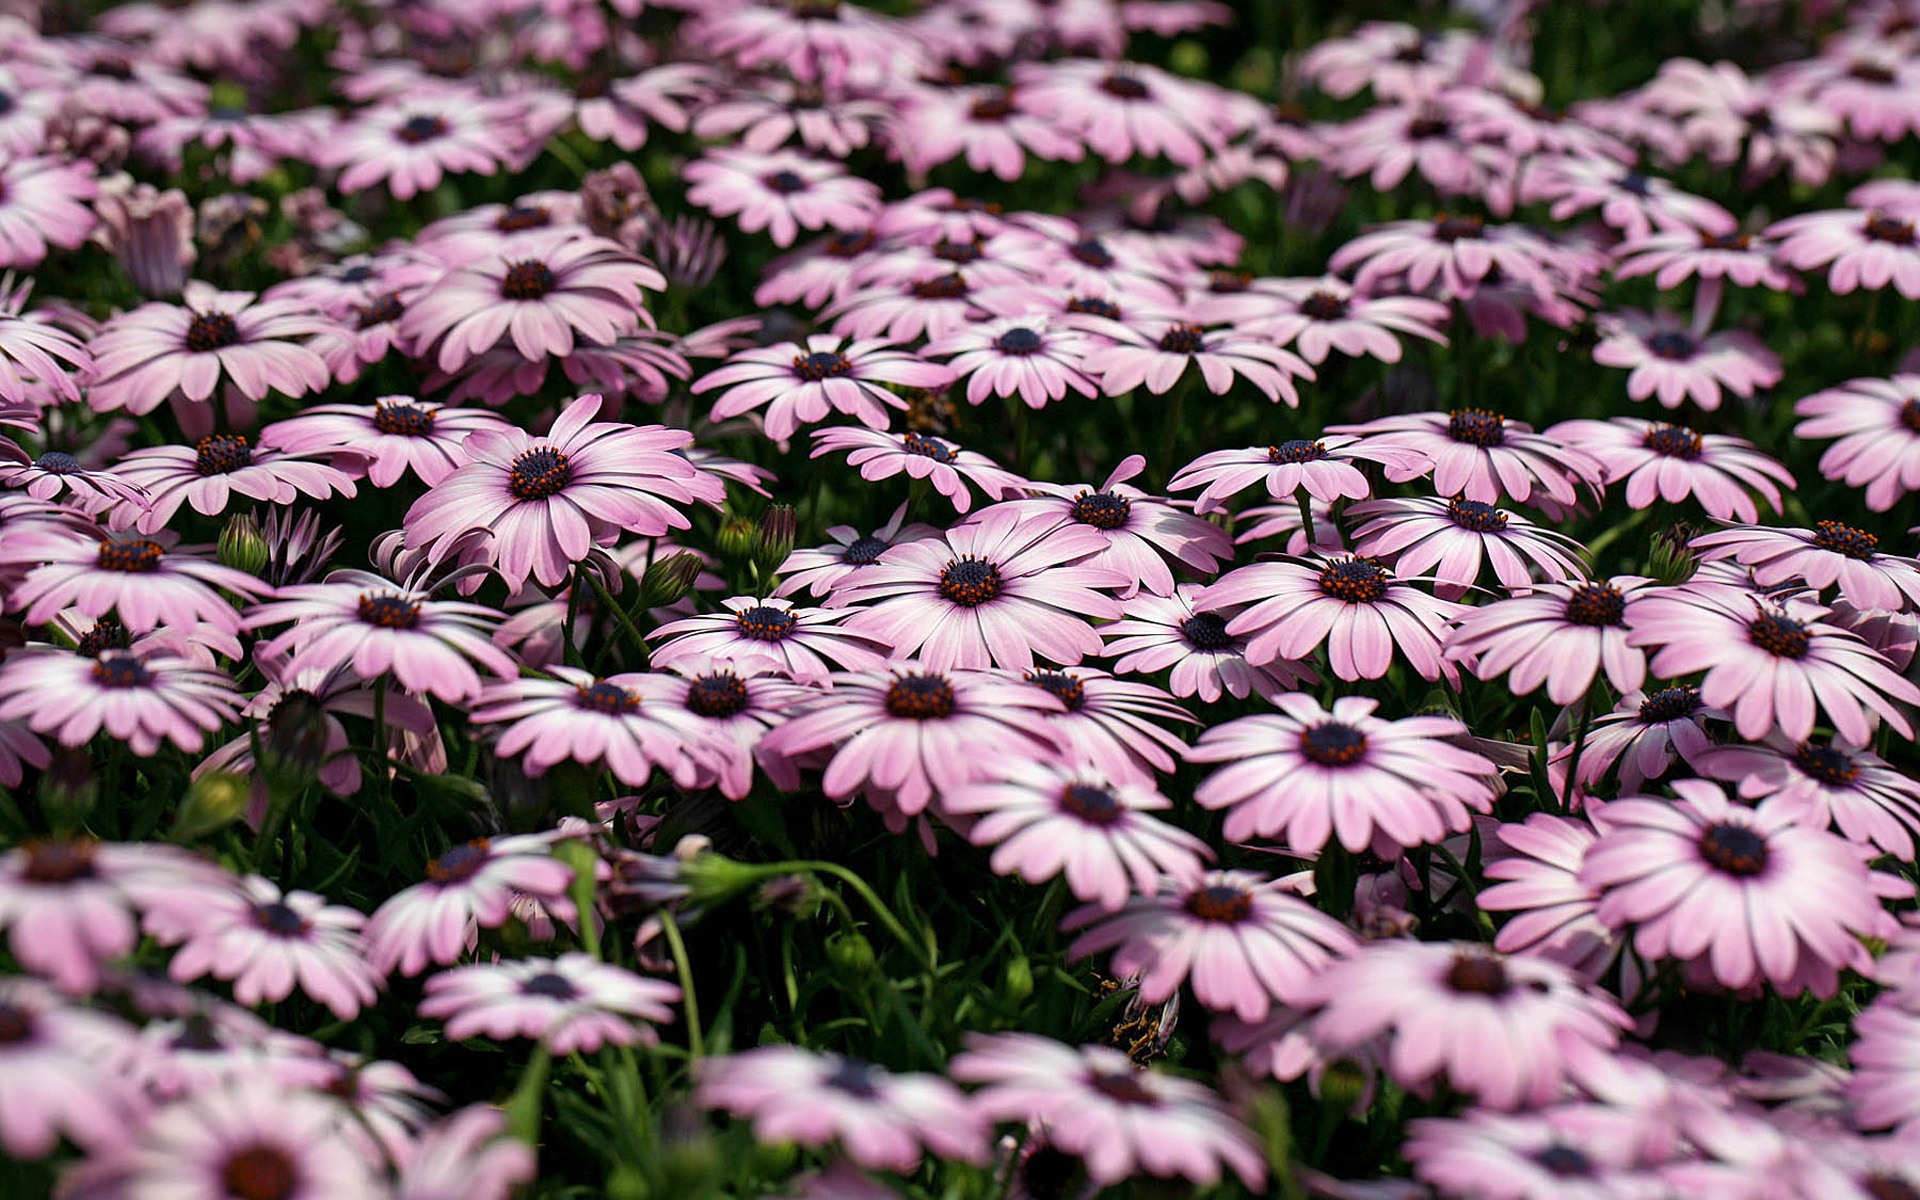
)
(996, 105)
(1206, 631)
(1018, 341)
(969, 581)
(1450, 228)
(814, 10)
(59, 860)
(1102, 510)
(941, 287)
(1477, 427)
(603, 697)
(221, 454)
(132, 558)
(1731, 241)
(1779, 635)
(461, 863)
(1092, 253)
(527, 280)
(1183, 338)
(389, 610)
(1826, 764)
(1094, 805)
(210, 331)
(1478, 975)
(719, 695)
(1229, 283)
(856, 1079)
(550, 985)
(106, 634)
(357, 273)
(1670, 704)
(1596, 604)
(58, 462)
(1889, 1187)
(260, 1172)
(403, 420)
(959, 253)
(1849, 540)
(1062, 687)
(1563, 1161)
(1124, 86)
(118, 669)
(1122, 1088)
(112, 66)
(927, 447)
(523, 216)
(421, 129)
(1333, 744)
(1475, 516)
(1299, 450)
(1734, 849)
(1910, 415)
(16, 1024)
(1093, 306)
(1867, 71)
(1635, 184)
(539, 473)
(1355, 580)
(1324, 306)
(786, 183)
(765, 623)
(1673, 441)
(1222, 904)
(1672, 345)
(821, 364)
(920, 697)
(279, 920)
(1429, 126)
(850, 244)
(383, 310)
(865, 550)
(1885, 229)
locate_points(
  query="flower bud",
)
(1671, 558)
(242, 545)
(851, 955)
(214, 800)
(735, 540)
(297, 735)
(668, 580)
(775, 542)
(1017, 984)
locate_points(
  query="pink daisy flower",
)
(800, 384)
(1878, 424)
(268, 944)
(1122, 110)
(140, 698)
(547, 502)
(995, 128)
(1018, 356)
(36, 355)
(772, 113)
(1306, 775)
(1452, 538)
(1560, 634)
(207, 475)
(898, 732)
(1837, 782)
(42, 204)
(371, 626)
(1438, 1005)
(1675, 256)
(1096, 1105)
(1112, 723)
(820, 570)
(1243, 942)
(1675, 363)
(57, 475)
(919, 456)
(1318, 317)
(832, 44)
(1669, 463)
(410, 143)
(1538, 872)
(468, 1155)
(1770, 667)
(1869, 249)
(1460, 253)
(798, 642)
(935, 300)
(1050, 819)
(1391, 141)
(1561, 1153)
(1704, 878)
(1325, 467)
(1830, 553)
(56, 1076)
(394, 435)
(143, 584)
(1155, 352)
(469, 888)
(1885, 1088)
(995, 591)
(782, 192)
(1354, 605)
(1644, 734)
(571, 1004)
(1172, 633)
(576, 716)
(1483, 456)
(880, 1120)
(1634, 203)
(726, 706)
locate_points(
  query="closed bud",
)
(851, 955)
(297, 735)
(1017, 984)
(214, 800)
(1344, 1087)
(668, 580)
(736, 538)
(242, 545)
(778, 525)
(1671, 558)
(627, 1182)
(793, 895)
(689, 1157)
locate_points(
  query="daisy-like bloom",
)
(1354, 605)
(1644, 734)
(141, 582)
(1481, 455)
(1675, 363)
(1391, 141)
(1451, 539)
(1770, 667)
(466, 1156)
(880, 1120)
(1155, 352)
(57, 474)
(1244, 943)
(782, 192)
(372, 626)
(1830, 553)
(1568, 1152)
(1096, 1105)
(1439, 1005)
(994, 127)
(1325, 467)
(546, 502)
(800, 642)
(1162, 633)
(1878, 424)
(1662, 462)
(541, 297)
(410, 143)
(572, 1004)
(897, 732)
(1885, 1088)
(1861, 249)
(725, 705)
(1458, 252)
(268, 944)
(1018, 356)
(1318, 317)
(1676, 256)
(184, 352)
(42, 204)
(829, 43)
(142, 698)
(1125, 109)
(1628, 200)
(469, 888)
(800, 384)
(393, 435)
(1705, 878)
(820, 569)
(1305, 776)
(995, 591)
(56, 1076)
(36, 355)
(1537, 864)
(1838, 782)
(919, 456)
(208, 474)
(1559, 634)
(576, 716)
(1047, 819)
(1112, 723)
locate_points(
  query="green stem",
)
(523, 1109)
(619, 613)
(695, 1046)
(1306, 518)
(872, 901)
